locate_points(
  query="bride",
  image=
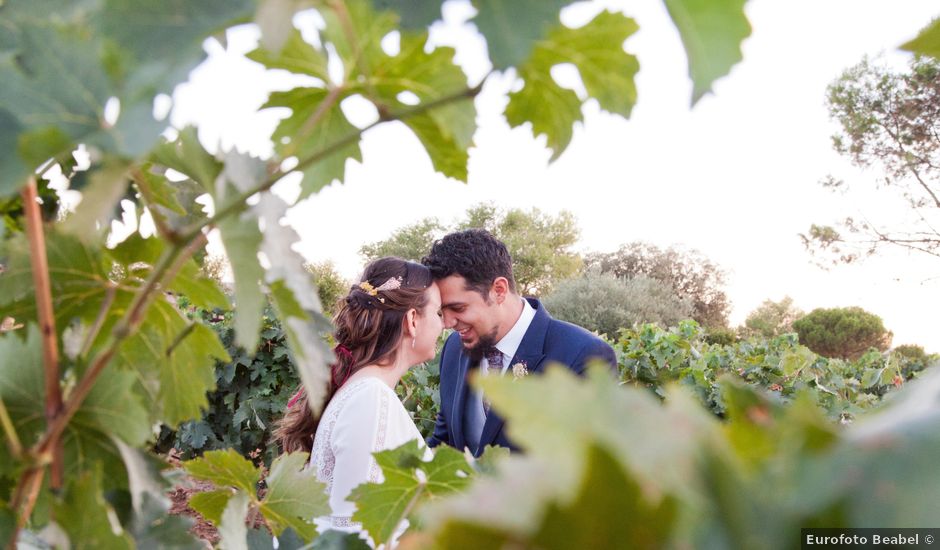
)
(388, 322)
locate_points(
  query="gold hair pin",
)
(391, 284)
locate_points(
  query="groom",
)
(495, 330)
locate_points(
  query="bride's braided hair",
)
(368, 331)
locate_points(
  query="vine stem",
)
(169, 262)
(43, 288)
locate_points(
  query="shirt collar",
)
(511, 341)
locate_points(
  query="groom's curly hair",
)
(474, 254)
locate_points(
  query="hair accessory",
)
(391, 284)
(295, 398)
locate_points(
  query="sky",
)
(735, 177)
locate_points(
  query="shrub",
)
(604, 303)
(842, 332)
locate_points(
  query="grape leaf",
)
(609, 511)
(294, 496)
(607, 71)
(316, 122)
(356, 31)
(408, 481)
(186, 155)
(512, 28)
(413, 14)
(100, 198)
(927, 41)
(712, 32)
(232, 529)
(111, 408)
(211, 504)
(226, 469)
(310, 354)
(242, 238)
(83, 515)
(297, 56)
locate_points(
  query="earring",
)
(413, 342)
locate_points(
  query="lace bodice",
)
(363, 417)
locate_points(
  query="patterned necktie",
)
(495, 359)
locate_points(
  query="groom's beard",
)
(484, 343)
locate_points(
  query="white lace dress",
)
(363, 417)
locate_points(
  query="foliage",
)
(653, 358)
(842, 332)
(409, 481)
(604, 303)
(293, 494)
(540, 244)
(251, 392)
(751, 480)
(772, 318)
(411, 242)
(690, 274)
(331, 286)
(887, 121)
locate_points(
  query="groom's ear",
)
(500, 289)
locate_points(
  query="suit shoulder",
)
(565, 331)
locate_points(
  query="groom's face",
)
(471, 315)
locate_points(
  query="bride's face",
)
(430, 325)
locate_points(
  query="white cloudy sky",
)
(735, 177)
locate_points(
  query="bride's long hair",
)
(368, 331)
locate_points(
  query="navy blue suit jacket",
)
(547, 340)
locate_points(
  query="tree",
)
(772, 318)
(540, 244)
(331, 286)
(411, 242)
(889, 121)
(605, 303)
(690, 274)
(842, 332)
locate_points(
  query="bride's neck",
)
(390, 374)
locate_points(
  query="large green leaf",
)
(83, 281)
(186, 155)
(83, 514)
(927, 41)
(512, 28)
(607, 71)
(232, 529)
(294, 496)
(306, 337)
(99, 203)
(226, 469)
(111, 408)
(712, 32)
(446, 131)
(413, 14)
(409, 481)
(316, 122)
(609, 511)
(356, 31)
(297, 56)
(242, 238)
(211, 504)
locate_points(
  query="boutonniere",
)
(520, 370)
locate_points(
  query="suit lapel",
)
(460, 400)
(530, 353)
